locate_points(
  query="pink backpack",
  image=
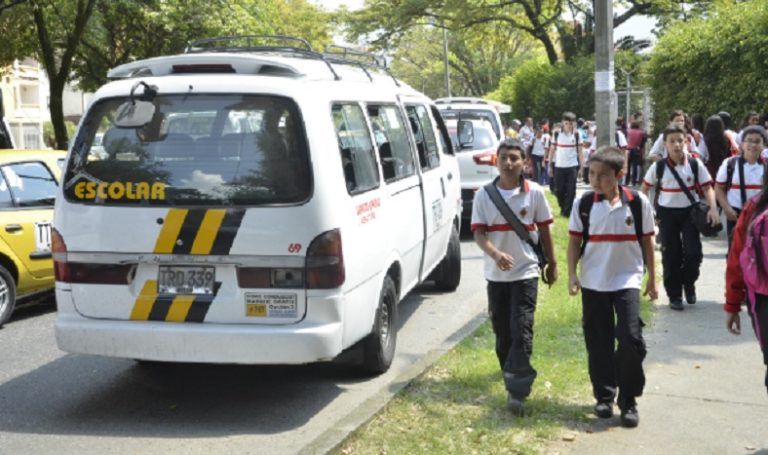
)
(754, 259)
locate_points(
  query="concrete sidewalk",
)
(704, 390)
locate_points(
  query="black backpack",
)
(585, 208)
(729, 170)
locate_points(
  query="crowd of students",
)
(612, 231)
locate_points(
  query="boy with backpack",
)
(567, 159)
(741, 177)
(746, 274)
(612, 233)
(680, 180)
(510, 221)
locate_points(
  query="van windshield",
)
(473, 114)
(197, 150)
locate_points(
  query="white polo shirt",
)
(530, 205)
(672, 196)
(613, 259)
(566, 152)
(753, 180)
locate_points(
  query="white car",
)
(254, 204)
(477, 161)
(467, 108)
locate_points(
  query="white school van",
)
(255, 204)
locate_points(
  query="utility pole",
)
(627, 74)
(445, 62)
(605, 105)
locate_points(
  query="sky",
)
(639, 26)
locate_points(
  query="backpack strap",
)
(636, 208)
(660, 166)
(729, 170)
(742, 187)
(585, 208)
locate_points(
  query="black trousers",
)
(611, 366)
(565, 188)
(511, 306)
(680, 250)
(759, 317)
(634, 167)
(538, 168)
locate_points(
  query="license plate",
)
(43, 236)
(271, 305)
(185, 280)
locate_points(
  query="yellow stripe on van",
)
(170, 231)
(144, 301)
(180, 308)
(209, 228)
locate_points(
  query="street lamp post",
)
(445, 62)
(627, 75)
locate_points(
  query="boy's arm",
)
(574, 251)
(549, 250)
(503, 260)
(722, 199)
(650, 265)
(713, 215)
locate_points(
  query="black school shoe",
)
(516, 405)
(629, 417)
(676, 304)
(690, 295)
(604, 410)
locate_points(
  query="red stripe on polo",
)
(612, 237)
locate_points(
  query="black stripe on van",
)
(227, 232)
(161, 307)
(201, 304)
(188, 231)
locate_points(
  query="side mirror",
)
(466, 133)
(136, 113)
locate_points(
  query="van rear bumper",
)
(303, 342)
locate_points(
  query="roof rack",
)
(259, 43)
(349, 56)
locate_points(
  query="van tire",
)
(448, 272)
(7, 295)
(379, 346)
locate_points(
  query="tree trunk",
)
(56, 94)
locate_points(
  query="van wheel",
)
(379, 346)
(448, 273)
(7, 295)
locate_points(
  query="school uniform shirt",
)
(613, 259)
(672, 196)
(566, 152)
(753, 180)
(538, 147)
(531, 207)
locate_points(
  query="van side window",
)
(424, 135)
(445, 138)
(356, 149)
(395, 152)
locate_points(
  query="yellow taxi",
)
(28, 183)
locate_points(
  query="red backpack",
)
(754, 257)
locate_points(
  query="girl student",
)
(681, 253)
(681, 119)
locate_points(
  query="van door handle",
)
(450, 176)
(12, 227)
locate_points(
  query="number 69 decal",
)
(294, 247)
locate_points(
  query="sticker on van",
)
(119, 190)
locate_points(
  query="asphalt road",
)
(54, 402)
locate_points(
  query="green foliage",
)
(48, 137)
(715, 64)
(538, 89)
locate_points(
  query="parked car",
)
(256, 205)
(28, 186)
(477, 162)
(468, 108)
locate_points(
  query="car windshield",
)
(196, 150)
(472, 114)
(484, 138)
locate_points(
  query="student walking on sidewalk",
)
(680, 240)
(566, 159)
(612, 232)
(512, 266)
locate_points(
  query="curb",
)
(333, 437)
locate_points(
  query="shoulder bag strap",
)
(507, 212)
(585, 208)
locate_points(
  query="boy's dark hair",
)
(755, 129)
(569, 116)
(726, 117)
(673, 128)
(609, 155)
(511, 144)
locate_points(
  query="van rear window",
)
(228, 150)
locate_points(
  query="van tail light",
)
(485, 158)
(325, 261)
(59, 250)
(77, 272)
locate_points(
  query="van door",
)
(439, 175)
(403, 207)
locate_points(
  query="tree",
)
(713, 64)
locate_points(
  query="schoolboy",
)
(611, 230)
(566, 156)
(511, 267)
(733, 190)
(680, 241)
